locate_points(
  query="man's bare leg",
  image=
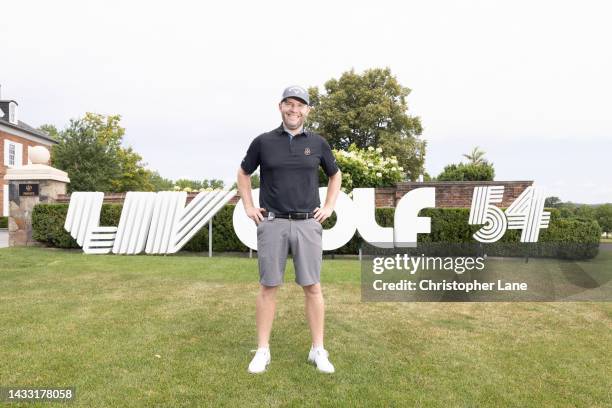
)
(315, 312)
(266, 306)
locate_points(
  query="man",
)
(289, 218)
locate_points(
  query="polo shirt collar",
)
(282, 129)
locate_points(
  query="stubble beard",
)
(297, 125)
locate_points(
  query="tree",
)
(478, 169)
(50, 129)
(552, 202)
(467, 172)
(476, 156)
(90, 151)
(410, 153)
(197, 185)
(369, 110)
(567, 209)
(90, 163)
(213, 183)
(159, 183)
(585, 212)
(255, 182)
(604, 217)
(133, 176)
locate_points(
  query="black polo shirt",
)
(289, 171)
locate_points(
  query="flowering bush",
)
(191, 190)
(366, 168)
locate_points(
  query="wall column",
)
(29, 185)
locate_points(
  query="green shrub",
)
(224, 238)
(3, 222)
(450, 233)
(467, 172)
(48, 223)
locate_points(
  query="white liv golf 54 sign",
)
(526, 213)
(160, 223)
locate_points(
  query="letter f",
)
(407, 222)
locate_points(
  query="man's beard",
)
(298, 125)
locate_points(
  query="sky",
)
(529, 82)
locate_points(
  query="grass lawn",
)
(178, 330)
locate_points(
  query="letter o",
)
(333, 238)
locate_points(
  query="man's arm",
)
(333, 188)
(244, 188)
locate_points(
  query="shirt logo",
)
(307, 151)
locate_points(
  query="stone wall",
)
(24, 160)
(21, 207)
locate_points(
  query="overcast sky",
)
(527, 81)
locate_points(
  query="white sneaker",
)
(320, 357)
(260, 361)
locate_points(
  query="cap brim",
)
(296, 97)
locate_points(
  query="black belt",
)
(289, 215)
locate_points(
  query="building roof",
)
(28, 129)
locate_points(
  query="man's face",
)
(294, 112)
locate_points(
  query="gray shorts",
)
(274, 240)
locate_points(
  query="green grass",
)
(99, 323)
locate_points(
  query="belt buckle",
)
(270, 216)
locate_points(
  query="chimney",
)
(8, 111)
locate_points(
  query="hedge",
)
(450, 233)
(48, 223)
(3, 222)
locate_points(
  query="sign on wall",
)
(161, 223)
(358, 214)
(156, 223)
(28, 190)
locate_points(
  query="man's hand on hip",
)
(321, 214)
(254, 213)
